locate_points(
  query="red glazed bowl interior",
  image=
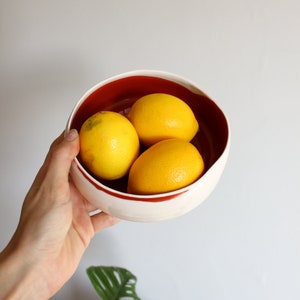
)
(119, 95)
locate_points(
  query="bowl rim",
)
(159, 74)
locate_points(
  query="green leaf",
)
(113, 283)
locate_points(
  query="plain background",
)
(243, 242)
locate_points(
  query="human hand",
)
(54, 230)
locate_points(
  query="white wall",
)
(244, 241)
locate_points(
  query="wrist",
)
(19, 278)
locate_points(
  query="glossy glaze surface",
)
(119, 95)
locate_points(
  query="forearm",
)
(18, 278)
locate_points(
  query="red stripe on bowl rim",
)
(127, 196)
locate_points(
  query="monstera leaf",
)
(113, 283)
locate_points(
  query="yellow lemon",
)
(162, 116)
(108, 144)
(166, 166)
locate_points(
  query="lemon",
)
(166, 166)
(162, 116)
(108, 144)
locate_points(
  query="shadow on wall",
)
(33, 91)
(103, 250)
(41, 74)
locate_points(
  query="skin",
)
(54, 229)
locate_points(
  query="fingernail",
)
(72, 135)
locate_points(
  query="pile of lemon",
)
(164, 125)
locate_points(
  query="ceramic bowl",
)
(212, 140)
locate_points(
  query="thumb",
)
(62, 156)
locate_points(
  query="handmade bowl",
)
(212, 140)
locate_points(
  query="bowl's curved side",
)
(151, 211)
